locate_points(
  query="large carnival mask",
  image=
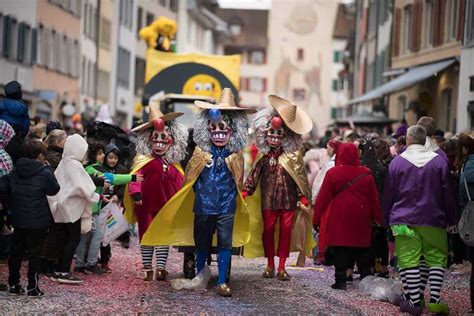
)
(161, 138)
(275, 132)
(219, 126)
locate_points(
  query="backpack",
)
(466, 223)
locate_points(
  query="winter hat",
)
(110, 148)
(13, 90)
(52, 125)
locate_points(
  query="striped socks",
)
(436, 282)
(161, 254)
(424, 274)
(412, 288)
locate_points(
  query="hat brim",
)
(208, 106)
(301, 125)
(167, 117)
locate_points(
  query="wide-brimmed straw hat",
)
(226, 102)
(294, 117)
(155, 114)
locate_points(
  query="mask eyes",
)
(198, 86)
(208, 86)
(271, 130)
(280, 132)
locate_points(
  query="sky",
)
(255, 4)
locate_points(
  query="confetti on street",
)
(124, 291)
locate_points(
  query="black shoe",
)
(339, 286)
(68, 278)
(3, 287)
(95, 269)
(17, 290)
(80, 269)
(36, 292)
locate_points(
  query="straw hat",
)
(294, 117)
(226, 103)
(155, 114)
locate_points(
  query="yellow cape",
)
(174, 224)
(301, 236)
(139, 162)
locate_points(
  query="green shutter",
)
(334, 85)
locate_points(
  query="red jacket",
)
(353, 210)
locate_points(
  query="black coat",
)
(28, 185)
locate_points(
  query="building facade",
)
(465, 107)
(248, 30)
(18, 45)
(343, 30)
(300, 55)
(428, 33)
(372, 50)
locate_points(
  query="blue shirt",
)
(215, 189)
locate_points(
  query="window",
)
(63, 54)
(453, 19)
(92, 83)
(335, 84)
(139, 76)
(103, 85)
(300, 54)
(174, 5)
(52, 48)
(1, 33)
(139, 20)
(469, 36)
(86, 19)
(299, 95)
(163, 3)
(104, 33)
(337, 56)
(256, 57)
(429, 23)
(149, 18)
(84, 76)
(123, 67)
(235, 29)
(21, 42)
(75, 58)
(407, 32)
(471, 83)
(256, 84)
(126, 13)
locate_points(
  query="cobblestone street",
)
(124, 292)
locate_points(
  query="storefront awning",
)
(411, 77)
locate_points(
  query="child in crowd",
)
(27, 186)
(90, 243)
(112, 165)
(71, 207)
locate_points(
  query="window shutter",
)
(460, 22)
(440, 12)
(34, 46)
(21, 43)
(6, 36)
(416, 25)
(396, 32)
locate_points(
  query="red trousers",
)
(270, 218)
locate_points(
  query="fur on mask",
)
(291, 141)
(176, 152)
(237, 140)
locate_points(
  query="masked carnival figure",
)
(212, 189)
(161, 144)
(279, 184)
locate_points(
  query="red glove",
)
(304, 200)
(245, 194)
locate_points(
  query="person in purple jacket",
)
(418, 206)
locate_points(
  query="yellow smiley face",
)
(203, 85)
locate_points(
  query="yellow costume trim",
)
(174, 224)
(139, 162)
(293, 164)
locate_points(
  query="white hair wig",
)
(177, 151)
(291, 141)
(239, 126)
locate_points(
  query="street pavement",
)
(124, 291)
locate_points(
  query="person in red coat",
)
(350, 196)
